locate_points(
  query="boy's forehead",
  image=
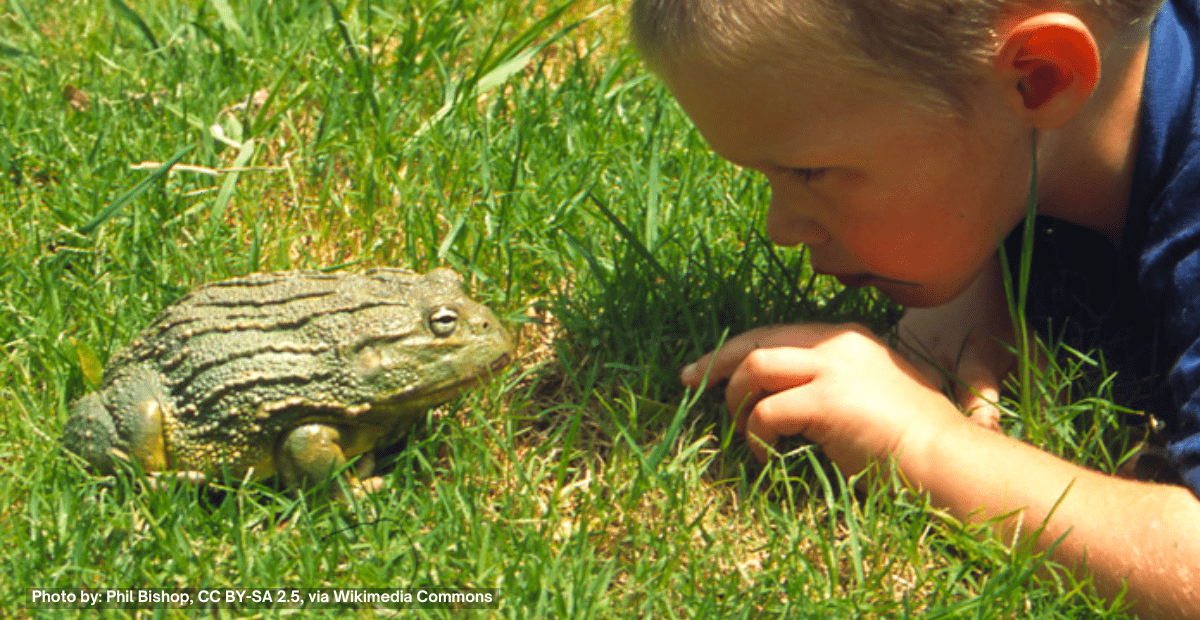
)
(746, 114)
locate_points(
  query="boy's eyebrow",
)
(789, 156)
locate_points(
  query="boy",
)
(896, 136)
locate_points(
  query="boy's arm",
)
(1136, 535)
(858, 399)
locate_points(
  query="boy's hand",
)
(978, 364)
(837, 385)
(963, 338)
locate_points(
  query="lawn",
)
(523, 145)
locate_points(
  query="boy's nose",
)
(788, 229)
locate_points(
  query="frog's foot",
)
(190, 477)
(372, 484)
(313, 453)
(363, 468)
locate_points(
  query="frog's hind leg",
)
(312, 453)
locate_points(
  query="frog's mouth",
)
(499, 364)
(435, 395)
(476, 378)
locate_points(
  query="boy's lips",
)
(868, 279)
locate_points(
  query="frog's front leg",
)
(123, 422)
(312, 453)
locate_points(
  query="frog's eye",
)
(443, 321)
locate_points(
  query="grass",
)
(523, 145)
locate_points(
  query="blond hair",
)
(933, 49)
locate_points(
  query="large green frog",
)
(291, 373)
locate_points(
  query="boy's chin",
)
(908, 293)
(915, 296)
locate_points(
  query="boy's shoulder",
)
(1169, 97)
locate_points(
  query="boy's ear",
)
(1051, 64)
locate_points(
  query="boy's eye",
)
(808, 175)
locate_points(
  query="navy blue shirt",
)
(1163, 221)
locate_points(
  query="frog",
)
(290, 373)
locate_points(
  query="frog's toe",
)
(372, 484)
(154, 479)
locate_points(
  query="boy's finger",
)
(693, 373)
(721, 364)
(984, 414)
(978, 394)
(763, 372)
(787, 413)
(980, 406)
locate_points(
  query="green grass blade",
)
(1016, 291)
(132, 17)
(8, 50)
(496, 70)
(229, 18)
(230, 183)
(26, 21)
(633, 240)
(668, 440)
(535, 30)
(137, 190)
(362, 68)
